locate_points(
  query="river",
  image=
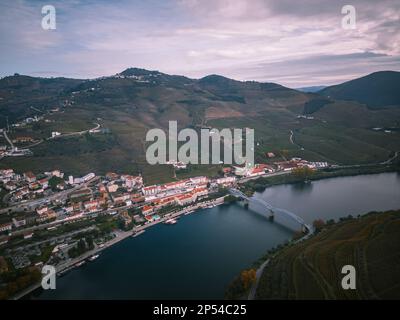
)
(200, 255)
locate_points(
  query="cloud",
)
(295, 43)
(331, 68)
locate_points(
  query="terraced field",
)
(312, 269)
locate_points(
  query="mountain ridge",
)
(376, 90)
(130, 103)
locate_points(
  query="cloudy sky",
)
(294, 43)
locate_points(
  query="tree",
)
(318, 225)
(90, 243)
(297, 235)
(54, 181)
(230, 199)
(248, 277)
(330, 222)
(81, 246)
(302, 173)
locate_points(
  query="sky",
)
(294, 43)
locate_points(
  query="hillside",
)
(312, 269)
(19, 93)
(130, 103)
(376, 90)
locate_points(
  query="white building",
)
(77, 180)
(226, 181)
(132, 181)
(151, 190)
(199, 180)
(55, 134)
(57, 173)
(18, 223)
(5, 227)
(88, 177)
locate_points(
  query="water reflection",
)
(302, 187)
(200, 255)
(337, 197)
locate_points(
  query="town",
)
(50, 217)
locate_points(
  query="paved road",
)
(291, 137)
(121, 235)
(34, 203)
(76, 133)
(34, 144)
(267, 175)
(390, 160)
(260, 270)
(37, 202)
(292, 141)
(8, 139)
(55, 238)
(253, 290)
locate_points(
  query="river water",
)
(200, 255)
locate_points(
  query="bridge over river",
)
(281, 216)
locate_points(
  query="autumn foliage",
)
(318, 224)
(248, 277)
(303, 173)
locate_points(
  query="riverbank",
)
(356, 196)
(120, 236)
(312, 269)
(260, 184)
(200, 255)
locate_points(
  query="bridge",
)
(281, 216)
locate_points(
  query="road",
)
(56, 238)
(291, 137)
(8, 139)
(292, 141)
(70, 263)
(386, 162)
(260, 270)
(37, 202)
(242, 180)
(267, 175)
(76, 133)
(120, 235)
(33, 108)
(34, 144)
(104, 212)
(253, 289)
(390, 160)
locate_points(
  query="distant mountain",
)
(131, 102)
(311, 89)
(376, 90)
(151, 94)
(152, 77)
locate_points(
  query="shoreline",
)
(120, 236)
(336, 225)
(339, 172)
